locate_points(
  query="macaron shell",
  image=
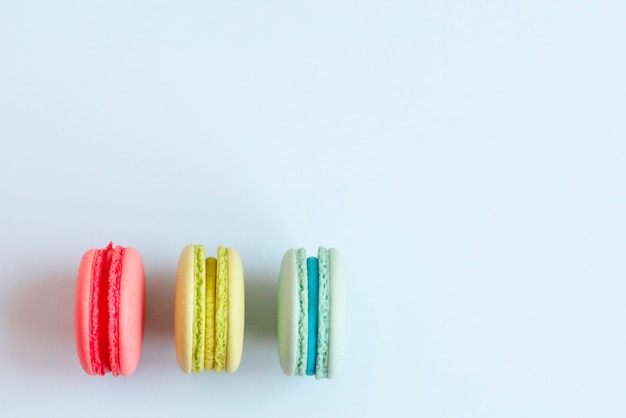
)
(337, 313)
(236, 311)
(183, 308)
(199, 295)
(81, 310)
(221, 310)
(288, 307)
(113, 287)
(132, 302)
(323, 309)
(303, 312)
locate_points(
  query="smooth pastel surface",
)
(337, 313)
(184, 308)
(321, 362)
(288, 308)
(82, 311)
(236, 311)
(313, 290)
(132, 303)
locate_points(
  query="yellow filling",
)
(209, 347)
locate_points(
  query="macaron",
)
(109, 310)
(209, 310)
(311, 313)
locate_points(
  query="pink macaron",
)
(109, 310)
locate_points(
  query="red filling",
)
(104, 306)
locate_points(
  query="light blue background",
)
(468, 158)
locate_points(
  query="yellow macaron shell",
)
(221, 310)
(184, 308)
(236, 311)
(197, 348)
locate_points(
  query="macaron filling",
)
(313, 287)
(209, 325)
(104, 310)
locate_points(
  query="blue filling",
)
(314, 284)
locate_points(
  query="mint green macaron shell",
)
(288, 313)
(321, 363)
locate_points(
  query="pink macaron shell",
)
(132, 302)
(82, 310)
(112, 311)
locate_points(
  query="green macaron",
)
(311, 313)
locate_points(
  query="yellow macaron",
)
(209, 310)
